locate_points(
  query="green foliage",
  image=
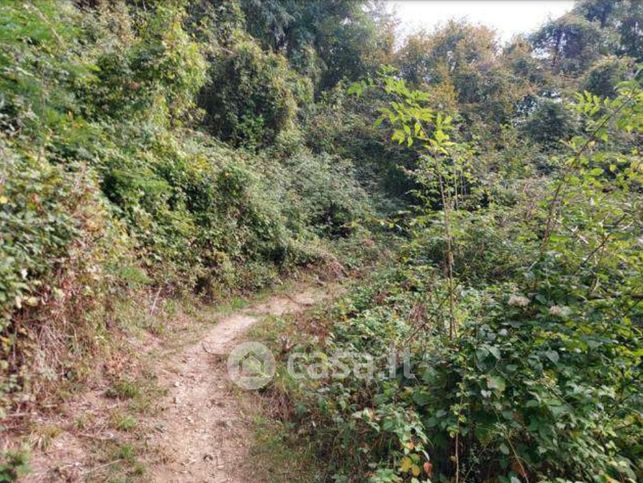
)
(325, 41)
(464, 71)
(33, 190)
(619, 20)
(571, 43)
(549, 123)
(251, 95)
(152, 68)
(35, 60)
(341, 123)
(516, 291)
(14, 465)
(604, 76)
(326, 193)
(449, 50)
(58, 244)
(106, 186)
(538, 380)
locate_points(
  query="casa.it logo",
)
(251, 365)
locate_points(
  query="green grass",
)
(123, 389)
(281, 456)
(13, 465)
(123, 422)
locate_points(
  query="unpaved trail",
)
(201, 430)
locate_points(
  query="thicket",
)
(518, 285)
(115, 175)
(212, 146)
(520, 317)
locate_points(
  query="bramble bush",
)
(519, 317)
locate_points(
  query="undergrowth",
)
(158, 156)
(512, 325)
(108, 187)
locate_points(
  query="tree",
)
(464, 59)
(549, 123)
(570, 44)
(325, 40)
(622, 20)
(428, 58)
(604, 76)
(250, 95)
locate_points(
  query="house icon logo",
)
(251, 365)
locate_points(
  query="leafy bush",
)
(58, 248)
(549, 123)
(520, 391)
(151, 68)
(342, 124)
(327, 194)
(251, 95)
(105, 186)
(520, 330)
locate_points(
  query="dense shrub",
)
(523, 389)
(61, 254)
(146, 65)
(328, 196)
(549, 123)
(342, 124)
(517, 315)
(251, 95)
(101, 161)
(172, 147)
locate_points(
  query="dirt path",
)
(197, 432)
(202, 430)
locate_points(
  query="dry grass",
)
(91, 416)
